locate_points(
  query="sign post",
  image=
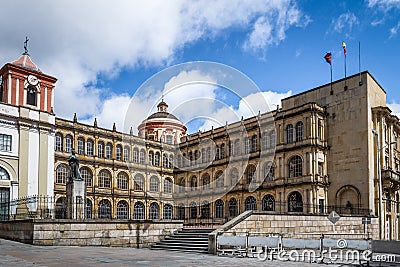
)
(333, 217)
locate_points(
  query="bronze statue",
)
(73, 161)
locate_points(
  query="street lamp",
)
(381, 219)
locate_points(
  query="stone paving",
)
(19, 254)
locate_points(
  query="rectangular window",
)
(80, 146)
(89, 148)
(100, 152)
(5, 142)
(321, 168)
(108, 151)
(246, 145)
(168, 139)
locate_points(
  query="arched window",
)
(208, 155)
(193, 210)
(87, 176)
(295, 166)
(100, 149)
(167, 212)
(268, 203)
(295, 202)
(233, 207)
(89, 209)
(206, 180)
(154, 211)
(136, 155)
(250, 203)
(142, 156)
(272, 139)
(234, 176)
(154, 184)
(104, 211)
(118, 152)
(68, 143)
(61, 174)
(203, 155)
(219, 209)
(108, 150)
(269, 171)
(264, 141)
(139, 182)
(171, 162)
(31, 95)
(289, 134)
(104, 179)
(299, 131)
(181, 212)
(165, 160)
(236, 147)
(157, 159)
(254, 143)
(61, 208)
(246, 145)
(193, 183)
(219, 179)
(182, 185)
(250, 174)
(222, 152)
(190, 158)
(59, 142)
(138, 211)
(4, 174)
(168, 186)
(81, 146)
(122, 181)
(151, 158)
(205, 210)
(122, 210)
(89, 147)
(217, 153)
(196, 156)
(127, 154)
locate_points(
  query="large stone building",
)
(316, 153)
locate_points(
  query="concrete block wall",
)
(301, 225)
(89, 233)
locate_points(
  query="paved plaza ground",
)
(15, 254)
(18, 254)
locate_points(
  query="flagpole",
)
(331, 80)
(345, 74)
(345, 59)
(359, 63)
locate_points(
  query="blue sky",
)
(101, 58)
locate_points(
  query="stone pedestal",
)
(76, 199)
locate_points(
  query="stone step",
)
(186, 240)
(182, 250)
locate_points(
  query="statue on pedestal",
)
(74, 173)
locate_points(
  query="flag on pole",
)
(344, 47)
(328, 58)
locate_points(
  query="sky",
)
(117, 59)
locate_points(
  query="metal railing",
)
(47, 207)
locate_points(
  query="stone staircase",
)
(187, 240)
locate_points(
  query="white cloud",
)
(76, 40)
(271, 28)
(395, 108)
(394, 30)
(384, 4)
(248, 106)
(344, 23)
